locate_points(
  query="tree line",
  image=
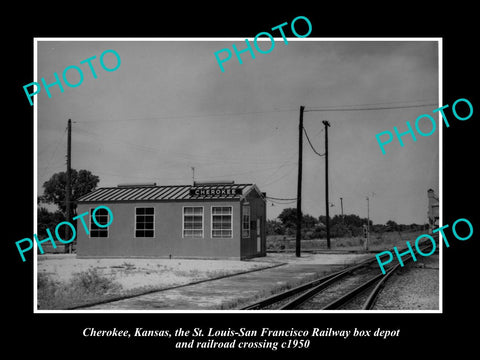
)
(349, 225)
(82, 182)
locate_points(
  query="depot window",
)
(102, 218)
(193, 222)
(222, 222)
(144, 222)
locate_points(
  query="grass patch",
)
(84, 287)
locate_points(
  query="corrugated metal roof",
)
(167, 192)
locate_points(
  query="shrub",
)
(84, 287)
(46, 290)
(319, 233)
(91, 282)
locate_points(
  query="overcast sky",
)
(168, 108)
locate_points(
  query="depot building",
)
(206, 220)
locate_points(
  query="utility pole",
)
(299, 185)
(68, 189)
(327, 124)
(341, 205)
(368, 224)
(193, 176)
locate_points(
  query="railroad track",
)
(345, 289)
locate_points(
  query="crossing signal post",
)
(365, 236)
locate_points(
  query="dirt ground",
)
(163, 273)
(232, 292)
(143, 273)
(413, 289)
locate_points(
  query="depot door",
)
(259, 234)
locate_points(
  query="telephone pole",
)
(368, 224)
(299, 185)
(341, 205)
(68, 189)
(327, 124)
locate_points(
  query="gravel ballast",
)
(415, 287)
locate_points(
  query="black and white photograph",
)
(196, 174)
(274, 189)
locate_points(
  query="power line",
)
(184, 156)
(275, 198)
(406, 102)
(360, 108)
(188, 116)
(273, 169)
(276, 180)
(325, 108)
(287, 162)
(276, 168)
(311, 145)
(281, 203)
(47, 167)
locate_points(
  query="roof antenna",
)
(193, 176)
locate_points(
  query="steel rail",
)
(370, 302)
(368, 305)
(380, 280)
(316, 284)
(351, 294)
(286, 294)
(312, 288)
(295, 303)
